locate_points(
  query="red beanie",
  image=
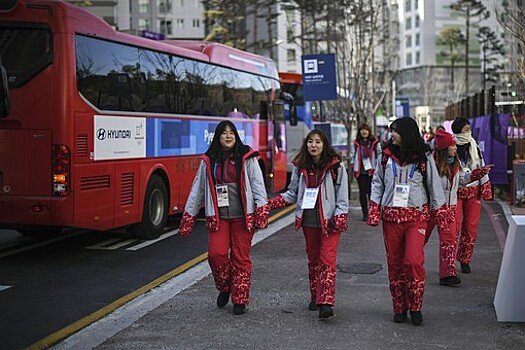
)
(444, 139)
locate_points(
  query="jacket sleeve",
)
(378, 183)
(194, 202)
(260, 197)
(290, 196)
(341, 209)
(435, 187)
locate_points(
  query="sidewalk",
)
(278, 318)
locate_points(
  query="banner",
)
(491, 133)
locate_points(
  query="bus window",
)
(25, 51)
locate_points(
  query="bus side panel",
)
(95, 188)
(127, 199)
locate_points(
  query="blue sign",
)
(402, 107)
(319, 78)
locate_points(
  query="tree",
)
(452, 38)
(225, 22)
(512, 19)
(474, 11)
(492, 50)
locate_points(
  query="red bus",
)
(102, 130)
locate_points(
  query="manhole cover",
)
(360, 268)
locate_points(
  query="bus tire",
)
(155, 211)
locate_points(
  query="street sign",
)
(402, 107)
(319, 78)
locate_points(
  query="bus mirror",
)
(5, 105)
(263, 112)
(293, 115)
(278, 110)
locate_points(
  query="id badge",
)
(222, 195)
(401, 196)
(310, 197)
(367, 164)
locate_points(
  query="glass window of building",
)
(408, 40)
(418, 39)
(143, 24)
(409, 59)
(418, 57)
(166, 27)
(417, 21)
(179, 3)
(291, 56)
(416, 4)
(408, 6)
(143, 6)
(180, 23)
(196, 23)
(164, 6)
(408, 23)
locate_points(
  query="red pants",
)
(229, 258)
(405, 257)
(322, 260)
(467, 229)
(448, 242)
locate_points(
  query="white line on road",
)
(4, 287)
(148, 243)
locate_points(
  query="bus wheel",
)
(155, 212)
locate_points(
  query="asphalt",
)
(182, 314)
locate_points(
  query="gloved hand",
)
(338, 223)
(374, 214)
(186, 224)
(486, 191)
(478, 173)
(441, 216)
(261, 216)
(277, 202)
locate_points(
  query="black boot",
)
(400, 318)
(223, 298)
(417, 318)
(465, 268)
(312, 306)
(325, 311)
(450, 281)
(239, 309)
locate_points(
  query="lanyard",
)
(394, 169)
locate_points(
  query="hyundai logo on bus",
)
(103, 134)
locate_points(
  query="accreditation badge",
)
(310, 197)
(222, 195)
(401, 196)
(367, 164)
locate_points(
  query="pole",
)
(393, 98)
(320, 111)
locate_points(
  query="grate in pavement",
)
(360, 268)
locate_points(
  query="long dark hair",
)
(366, 127)
(215, 152)
(441, 157)
(413, 148)
(304, 159)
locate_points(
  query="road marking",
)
(4, 287)
(95, 328)
(112, 244)
(41, 244)
(148, 243)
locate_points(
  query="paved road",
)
(182, 314)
